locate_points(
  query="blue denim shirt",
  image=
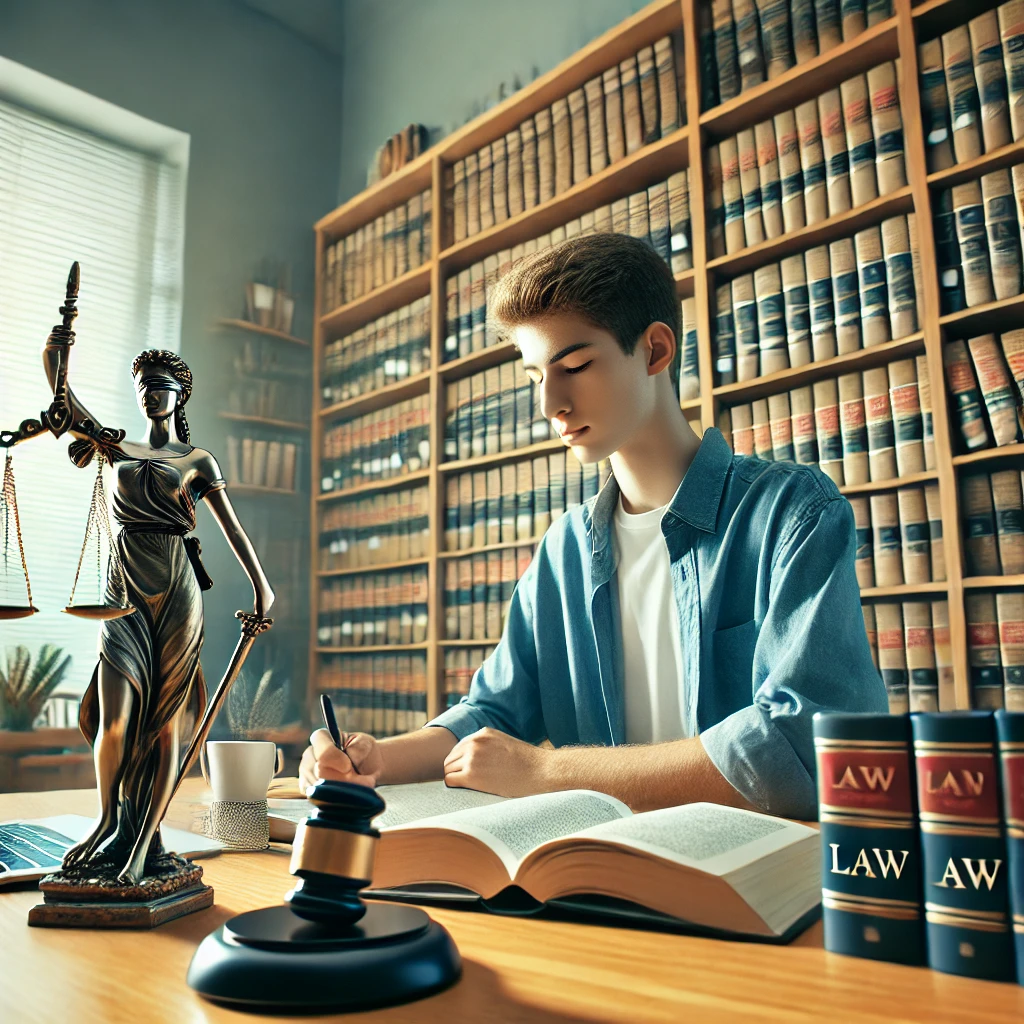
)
(772, 631)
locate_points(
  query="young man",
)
(673, 636)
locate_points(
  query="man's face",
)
(593, 393)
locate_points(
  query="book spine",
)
(689, 379)
(853, 14)
(516, 196)
(596, 131)
(681, 254)
(864, 557)
(963, 94)
(935, 107)
(732, 195)
(528, 135)
(742, 418)
(499, 179)
(846, 295)
(943, 655)
(892, 656)
(562, 136)
(871, 629)
(668, 96)
(762, 430)
(545, 155)
(905, 400)
(827, 18)
(923, 675)
(963, 389)
(1003, 233)
(632, 111)
(580, 135)
(459, 200)
(887, 128)
(827, 429)
(486, 188)
(947, 254)
(812, 162)
(1010, 616)
(969, 217)
(768, 178)
(715, 203)
(1012, 343)
(708, 68)
(1011, 33)
(657, 209)
(860, 140)
(916, 535)
(805, 33)
(934, 512)
(775, 34)
(750, 186)
(871, 862)
(987, 53)
(899, 274)
(791, 176)
(996, 388)
(878, 418)
(648, 82)
(805, 449)
(478, 308)
(726, 58)
(874, 296)
(886, 540)
(796, 299)
(780, 424)
(822, 308)
(924, 391)
(1009, 518)
(748, 44)
(1010, 732)
(983, 658)
(837, 159)
(744, 308)
(854, 429)
(771, 319)
(725, 336)
(980, 548)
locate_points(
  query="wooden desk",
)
(515, 969)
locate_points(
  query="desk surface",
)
(515, 969)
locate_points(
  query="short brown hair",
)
(616, 282)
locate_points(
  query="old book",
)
(748, 43)
(614, 127)
(1011, 33)
(864, 555)
(978, 516)
(541, 497)
(892, 656)
(597, 151)
(750, 186)
(486, 188)
(791, 177)
(479, 508)
(771, 319)
(580, 135)
(770, 183)
(1017, 174)
(899, 274)
(1012, 343)
(679, 222)
(874, 297)
(524, 500)
(669, 119)
(451, 514)
(762, 430)
(451, 341)
(732, 195)
(639, 217)
(427, 234)
(947, 254)
(528, 135)
(657, 212)
(559, 466)
(854, 429)
(724, 424)
(827, 429)
(916, 535)
(472, 194)
(780, 426)
(812, 162)
(620, 216)
(885, 529)
(854, 18)
(707, 73)
(805, 33)
(963, 388)
(878, 10)
(801, 403)
(845, 295)
(492, 410)
(969, 215)
(963, 94)
(1003, 233)
(938, 140)
(499, 180)
(908, 430)
(514, 149)
(871, 629)
(493, 506)
(648, 82)
(829, 24)
(920, 645)
(1010, 619)
(887, 127)
(465, 312)
(997, 390)
(934, 511)
(860, 140)
(689, 376)
(545, 155)
(726, 58)
(562, 135)
(775, 34)
(1009, 519)
(725, 336)
(822, 308)
(459, 200)
(983, 650)
(464, 418)
(943, 655)
(742, 421)
(507, 407)
(797, 306)
(465, 511)
(523, 404)
(833, 143)
(478, 307)
(479, 606)
(715, 204)
(744, 310)
(632, 109)
(987, 53)
(878, 419)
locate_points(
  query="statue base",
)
(90, 896)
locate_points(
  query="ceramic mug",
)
(240, 770)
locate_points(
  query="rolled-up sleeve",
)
(811, 654)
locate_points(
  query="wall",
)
(434, 62)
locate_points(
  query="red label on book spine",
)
(958, 785)
(1011, 632)
(1013, 781)
(865, 779)
(982, 634)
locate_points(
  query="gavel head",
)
(333, 853)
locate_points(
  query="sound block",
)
(273, 960)
(57, 913)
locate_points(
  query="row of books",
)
(270, 399)
(993, 523)
(921, 839)
(388, 247)
(377, 530)
(264, 357)
(383, 695)
(477, 592)
(517, 501)
(899, 537)
(978, 239)
(910, 646)
(832, 299)
(858, 428)
(383, 608)
(995, 648)
(382, 444)
(743, 43)
(659, 215)
(260, 462)
(459, 666)
(987, 395)
(383, 352)
(972, 87)
(632, 104)
(832, 153)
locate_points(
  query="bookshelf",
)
(687, 147)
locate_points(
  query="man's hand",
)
(360, 762)
(494, 762)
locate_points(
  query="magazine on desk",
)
(702, 865)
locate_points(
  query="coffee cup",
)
(240, 770)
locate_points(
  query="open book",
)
(708, 866)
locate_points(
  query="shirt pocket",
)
(732, 653)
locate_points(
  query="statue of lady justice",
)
(147, 690)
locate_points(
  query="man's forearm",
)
(415, 756)
(645, 777)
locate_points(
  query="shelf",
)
(934, 17)
(842, 225)
(239, 417)
(794, 377)
(226, 323)
(391, 483)
(888, 485)
(498, 458)
(362, 570)
(810, 79)
(491, 642)
(252, 491)
(690, 404)
(905, 590)
(685, 283)
(373, 649)
(651, 164)
(1004, 453)
(484, 548)
(992, 582)
(16, 742)
(390, 394)
(397, 293)
(475, 362)
(1005, 156)
(1001, 315)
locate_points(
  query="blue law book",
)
(1010, 728)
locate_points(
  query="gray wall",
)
(435, 62)
(262, 108)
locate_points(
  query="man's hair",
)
(615, 282)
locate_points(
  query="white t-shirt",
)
(651, 639)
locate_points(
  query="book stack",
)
(388, 443)
(992, 517)
(985, 380)
(380, 694)
(660, 215)
(743, 43)
(377, 530)
(383, 352)
(377, 253)
(478, 590)
(615, 114)
(831, 154)
(262, 462)
(921, 839)
(460, 664)
(850, 294)
(373, 610)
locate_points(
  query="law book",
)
(989, 73)
(921, 668)
(465, 281)
(1011, 34)
(997, 389)
(964, 108)
(632, 108)
(557, 476)
(963, 388)
(796, 300)
(744, 309)
(887, 128)
(853, 14)
(968, 927)
(981, 553)
(689, 374)
(845, 295)
(748, 43)
(804, 30)
(938, 141)
(541, 499)
(780, 425)
(983, 655)
(523, 405)
(908, 429)
(479, 607)
(639, 217)
(768, 177)
(853, 429)
(657, 211)
(669, 119)
(524, 500)
(879, 422)
(1017, 174)
(892, 656)
(487, 219)
(791, 176)
(827, 429)
(822, 308)
(863, 555)
(580, 135)
(478, 308)
(742, 423)
(459, 200)
(1003, 233)
(874, 294)
(860, 140)
(916, 534)
(833, 143)
(725, 336)
(871, 629)
(528, 146)
(1009, 520)
(499, 180)
(647, 79)
(762, 430)
(899, 276)
(771, 319)
(885, 536)
(715, 203)
(774, 16)
(681, 253)
(515, 192)
(615, 137)
(597, 152)
(801, 403)
(750, 186)
(732, 195)
(620, 216)
(726, 56)
(564, 145)
(1010, 734)
(947, 254)
(933, 509)
(545, 155)
(829, 24)
(1012, 343)
(707, 71)
(378, 253)
(943, 654)
(1010, 616)
(506, 407)
(812, 162)
(871, 860)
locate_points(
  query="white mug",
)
(240, 770)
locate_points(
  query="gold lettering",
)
(951, 872)
(948, 784)
(873, 776)
(983, 872)
(835, 861)
(973, 783)
(848, 781)
(890, 862)
(862, 862)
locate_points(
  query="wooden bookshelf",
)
(895, 37)
(229, 324)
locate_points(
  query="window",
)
(80, 180)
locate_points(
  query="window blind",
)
(65, 195)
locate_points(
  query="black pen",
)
(340, 741)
